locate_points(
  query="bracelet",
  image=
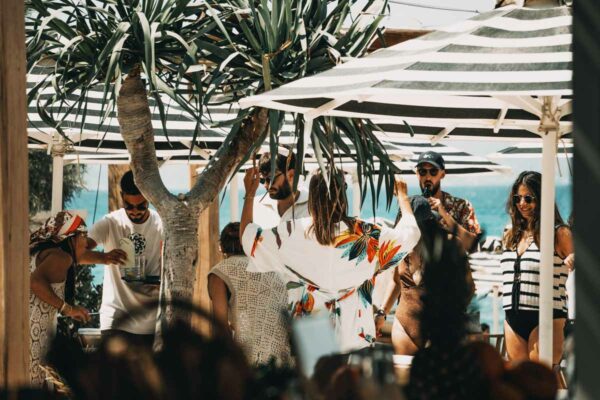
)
(249, 197)
(380, 313)
(65, 306)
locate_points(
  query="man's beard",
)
(433, 189)
(138, 219)
(283, 192)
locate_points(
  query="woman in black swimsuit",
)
(521, 271)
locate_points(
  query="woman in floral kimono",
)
(332, 259)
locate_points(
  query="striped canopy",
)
(531, 150)
(483, 77)
(104, 144)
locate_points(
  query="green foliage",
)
(87, 294)
(40, 181)
(210, 52)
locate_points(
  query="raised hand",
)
(400, 188)
(77, 313)
(116, 257)
(251, 181)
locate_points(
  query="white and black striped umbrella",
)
(505, 74)
(105, 145)
(531, 150)
(483, 77)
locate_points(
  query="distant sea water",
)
(489, 203)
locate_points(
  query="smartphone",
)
(313, 338)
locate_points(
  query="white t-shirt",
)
(118, 296)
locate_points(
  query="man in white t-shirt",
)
(119, 298)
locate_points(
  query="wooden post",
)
(115, 173)
(208, 256)
(14, 193)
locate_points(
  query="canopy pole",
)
(234, 206)
(495, 310)
(549, 124)
(58, 163)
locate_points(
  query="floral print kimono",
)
(336, 279)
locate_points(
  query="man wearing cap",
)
(455, 213)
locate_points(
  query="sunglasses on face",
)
(140, 207)
(431, 171)
(528, 199)
(265, 179)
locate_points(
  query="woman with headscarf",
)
(55, 248)
(329, 257)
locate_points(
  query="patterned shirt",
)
(337, 279)
(462, 212)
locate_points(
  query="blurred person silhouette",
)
(189, 365)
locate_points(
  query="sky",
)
(422, 14)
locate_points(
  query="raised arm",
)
(251, 181)
(52, 269)
(115, 256)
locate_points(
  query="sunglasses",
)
(140, 207)
(266, 179)
(431, 171)
(528, 199)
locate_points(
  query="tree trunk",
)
(179, 214)
(115, 173)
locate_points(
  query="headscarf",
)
(61, 226)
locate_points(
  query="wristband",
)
(65, 306)
(380, 313)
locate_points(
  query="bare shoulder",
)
(54, 258)
(563, 234)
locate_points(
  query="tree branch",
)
(135, 121)
(213, 179)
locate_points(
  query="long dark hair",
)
(532, 180)
(68, 247)
(327, 205)
(447, 289)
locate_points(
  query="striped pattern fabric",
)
(531, 150)
(521, 280)
(104, 144)
(483, 77)
(181, 126)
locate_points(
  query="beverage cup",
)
(140, 266)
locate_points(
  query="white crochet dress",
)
(42, 324)
(257, 305)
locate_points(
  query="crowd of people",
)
(316, 261)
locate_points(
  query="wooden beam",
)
(115, 173)
(14, 193)
(208, 256)
(395, 36)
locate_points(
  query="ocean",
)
(488, 201)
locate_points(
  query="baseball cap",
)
(432, 158)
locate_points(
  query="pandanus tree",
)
(197, 53)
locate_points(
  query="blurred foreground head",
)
(188, 366)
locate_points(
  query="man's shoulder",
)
(455, 201)
(155, 217)
(112, 217)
